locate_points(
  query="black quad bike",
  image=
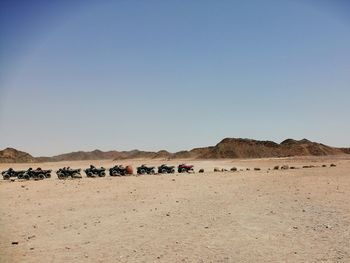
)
(143, 169)
(66, 172)
(12, 173)
(37, 174)
(118, 170)
(165, 169)
(92, 171)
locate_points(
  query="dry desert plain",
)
(300, 215)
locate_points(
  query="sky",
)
(152, 75)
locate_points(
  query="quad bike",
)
(143, 169)
(118, 170)
(185, 168)
(12, 173)
(92, 171)
(37, 174)
(165, 169)
(66, 172)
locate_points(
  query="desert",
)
(174, 131)
(294, 215)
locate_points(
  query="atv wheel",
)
(163, 171)
(6, 177)
(183, 170)
(172, 171)
(41, 176)
(89, 174)
(102, 174)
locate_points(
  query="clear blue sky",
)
(172, 74)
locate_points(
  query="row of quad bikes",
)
(92, 171)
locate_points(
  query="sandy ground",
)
(300, 215)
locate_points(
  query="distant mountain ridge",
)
(227, 148)
(100, 155)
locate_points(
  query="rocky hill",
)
(247, 148)
(227, 148)
(10, 155)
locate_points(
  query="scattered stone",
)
(324, 165)
(284, 167)
(167, 214)
(293, 167)
(223, 170)
(233, 169)
(257, 169)
(332, 165)
(248, 169)
(201, 171)
(14, 243)
(276, 167)
(216, 169)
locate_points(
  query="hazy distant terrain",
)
(227, 148)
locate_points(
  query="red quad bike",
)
(185, 168)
